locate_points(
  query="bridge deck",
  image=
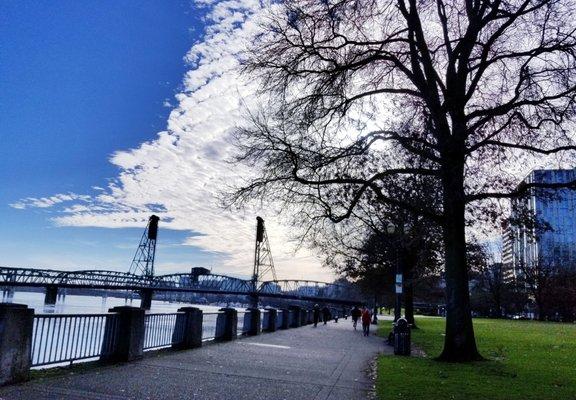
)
(328, 362)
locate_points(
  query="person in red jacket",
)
(366, 319)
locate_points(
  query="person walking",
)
(355, 314)
(316, 314)
(366, 319)
(325, 314)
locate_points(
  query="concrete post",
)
(146, 298)
(271, 315)
(16, 321)
(287, 318)
(253, 317)
(282, 322)
(124, 335)
(227, 324)
(191, 322)
(296, 319)
(51, 294)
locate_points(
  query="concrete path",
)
(325, 363)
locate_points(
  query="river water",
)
(75, 304)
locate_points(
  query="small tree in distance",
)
(361, 248)
(358, 92)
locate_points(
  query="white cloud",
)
(180, 174)
(45, 202)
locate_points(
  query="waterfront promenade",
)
(328, 362)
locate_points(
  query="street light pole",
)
(391, 229)
(399, 287)
(375, 318)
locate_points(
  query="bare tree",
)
(361, 248)
(560, 296)
(538, 280)
(358, 92)
(493, 290)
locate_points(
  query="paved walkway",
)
(325, 363)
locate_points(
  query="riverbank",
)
(525, 360)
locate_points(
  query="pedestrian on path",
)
(316, 314)
(355, 313)
(366, 319)
(325, 314)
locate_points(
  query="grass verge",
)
(525, 360)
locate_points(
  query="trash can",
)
(402, 337)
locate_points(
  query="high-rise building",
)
(542, 227)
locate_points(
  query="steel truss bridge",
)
(183, 282)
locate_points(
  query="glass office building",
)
(542, 230)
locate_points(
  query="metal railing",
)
(241, 327)
(209, 324)
(63, 338)
(161, 330)
(264, 319)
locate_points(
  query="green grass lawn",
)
(525, 360)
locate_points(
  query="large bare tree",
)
(357, 92)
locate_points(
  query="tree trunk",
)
(541, 309)
(459, 341)
(498, 303)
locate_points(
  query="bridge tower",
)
(143, 261)
(263, 262)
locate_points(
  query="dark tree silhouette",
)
(539, 281)
(494, 289)
(361, 248)
(356, 92)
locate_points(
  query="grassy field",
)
(526, 360)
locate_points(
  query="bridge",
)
(184, 282)
(141, 278)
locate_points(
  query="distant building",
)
(542, 227)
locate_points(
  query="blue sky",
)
(80, 80)
(113, 110)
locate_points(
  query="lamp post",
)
(391, 229)
(375, 318)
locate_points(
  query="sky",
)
(111, 111)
